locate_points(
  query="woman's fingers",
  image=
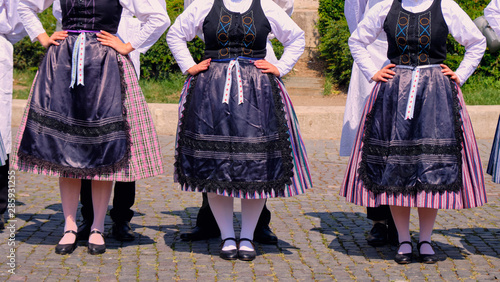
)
(202, 66)
(447, 71)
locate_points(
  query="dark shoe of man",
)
(2, 222)
(378, 235)
(264, 235)
(83, 232)
(198, 233)
(122, 231)
(392, 234)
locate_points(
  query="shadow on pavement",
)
(350, 230)
(47, 229)
(210, 246)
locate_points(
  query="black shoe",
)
(247, 255)
(83, 232)
(403, 258)
(426, 258)
(378, 235)
(122, 231)
(95, 249)
(198, 233)
(230, 254)
(2, 222)
(64, 249)
(264, 235)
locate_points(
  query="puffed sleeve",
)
(492, 14)
(366, 33)
(153, 15)
(465, 32)
(57, 11)
(10, 23)
(28, 10)
(287, 32)
(184, 29)
(286, 5)
(353, 11)
(187, 3)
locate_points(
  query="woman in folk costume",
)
(238, 135)
(86, 116)
(11, 31)
(206, 225)
(492, 15)
(415, 145)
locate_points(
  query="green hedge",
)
(334, 49)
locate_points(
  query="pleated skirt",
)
(427, 176)
(494, 162)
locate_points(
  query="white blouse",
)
(492, 14)
(461, 27)
(150, 12)
(190, 22)
(10, 23)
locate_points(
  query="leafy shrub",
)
(334, 33)
(158, 62)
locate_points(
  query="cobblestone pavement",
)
(321, 237)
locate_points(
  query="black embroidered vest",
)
(230, 34)
(416, 38)
(91, 15)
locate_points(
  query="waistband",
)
(418, 67)
(237, 58)
(81, 31)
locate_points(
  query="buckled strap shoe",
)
(406, 257)
(229, 254)
(427, 258)
(96, 249)
(247, 255)
(65, 249)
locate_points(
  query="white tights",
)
(222, 208)
(426, 219)
(70, 193)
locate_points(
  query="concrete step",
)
(304, 82)
(316, 122)
(304, 86)
(314, 92)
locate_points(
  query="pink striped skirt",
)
(471, 194)
(145, 156)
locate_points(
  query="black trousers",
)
(206, 219)
(380, 213)
(4, 186)
(123, 200)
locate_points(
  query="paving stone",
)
(321, 236)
